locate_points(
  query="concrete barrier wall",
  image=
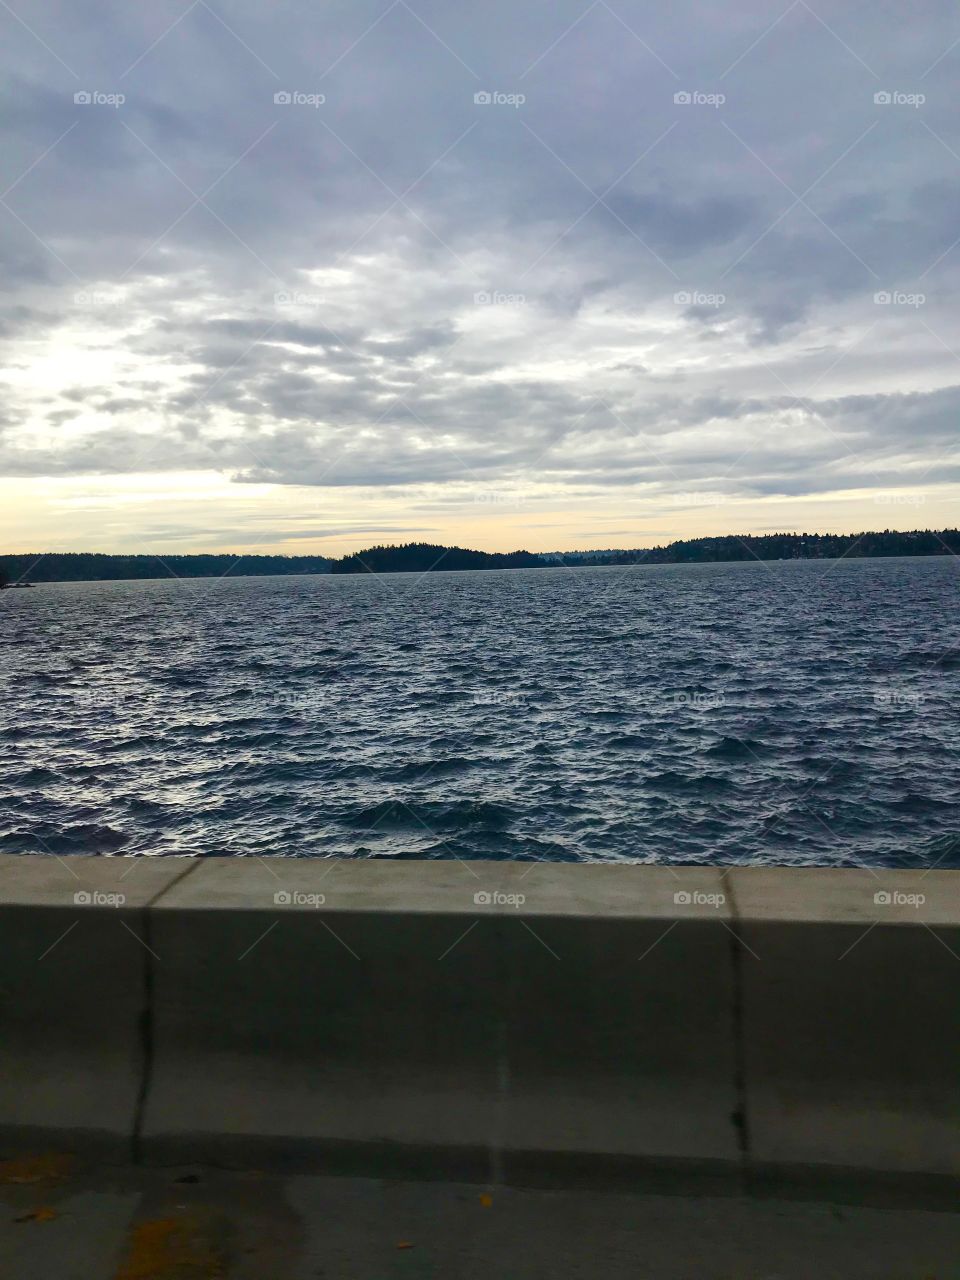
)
(484, 1020)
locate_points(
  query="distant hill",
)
(87, 566)
(788, 546)
(424, 557)
(421, 557)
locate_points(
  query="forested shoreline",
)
(423, 557)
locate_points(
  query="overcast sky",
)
(302, 277)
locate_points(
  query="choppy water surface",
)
(794, 713)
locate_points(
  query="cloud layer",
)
(611, 253)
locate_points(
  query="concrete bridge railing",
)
(485, 1020)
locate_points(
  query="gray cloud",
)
(598, 288)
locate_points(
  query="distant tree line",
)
(425, 557)
(806, 546)
(88, 566)
(422, 557)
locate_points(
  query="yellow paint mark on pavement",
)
(30, 1169)
(43, 1214)
(171, 1249)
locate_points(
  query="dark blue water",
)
(793, 713)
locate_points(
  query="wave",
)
(629, 741)
(671, 780)
(330, 718)
(421, 769)
(413, 815)
(732, 748)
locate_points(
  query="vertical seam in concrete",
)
(146, 1019)
(501, 1066)
(740, 1116)
(192, 866)
(495, 1172)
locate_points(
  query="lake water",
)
(793, 713)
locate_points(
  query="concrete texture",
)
(487, 1021)
(447, 887)
(546, 1035)
(71, 999)
(821, 895)
(805, 895)
(863, 1056)
(195, 1224)
(859, 1052)
(65, 883)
